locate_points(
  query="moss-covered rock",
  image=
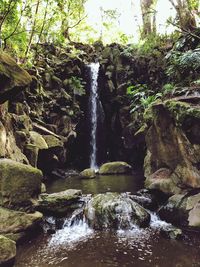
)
(181, 110)
(60, 203)
(38, 140)
(88, 173)
(13, 78)
(113, 210)
(7, 251)
(19, 184)
(116, 167)
(16, 224)
(53, 141)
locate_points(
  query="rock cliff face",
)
(173, 151)
(120, 68)
(13, 78)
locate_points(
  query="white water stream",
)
(94, 71)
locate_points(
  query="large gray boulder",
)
(20, 184)
(88, 173)
(16, 224)
(60, 203)
(114, 210)
(116, 167)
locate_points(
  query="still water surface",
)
(80, 246)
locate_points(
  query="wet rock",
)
(60, 203)
(174, 211)
(88, 173)
(182, 210)
(19, 184)
(13, 78)
(171, 232)
(17, 224)
(117, 167)
(7, 251)
(149, 199)
(113, 210)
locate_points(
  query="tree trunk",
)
(32, 32)
(148, 17)
(185, 17)
(42, 28)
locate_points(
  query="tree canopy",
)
(24, 23)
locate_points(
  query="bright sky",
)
(130, 12)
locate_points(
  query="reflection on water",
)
(101, 184)
(75, 244)
(140, 248)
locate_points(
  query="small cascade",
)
(114, 211)
(74, 229)
(94, 71)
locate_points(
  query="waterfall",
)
(94, 71)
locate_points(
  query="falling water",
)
(94, 70)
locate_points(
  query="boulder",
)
(174, 211)
(31, 152)
(7, 251)
(171, 232)
(113, 210)
(194, 216)
(172, 124)
(117, 167)
(53, 141)
(8, 141)
(149, 199)
(19, 184)
(13, 78)
(161, 180)
(182, 210)
(60, 203)
(88, 173)
(38, 140)
(16, 224)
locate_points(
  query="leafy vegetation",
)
(27, 22)
(141, 97)
(76, 84)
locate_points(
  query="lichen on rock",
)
(19, 184)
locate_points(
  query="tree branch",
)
(184, 30)
(17, 24)
(77, 23)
